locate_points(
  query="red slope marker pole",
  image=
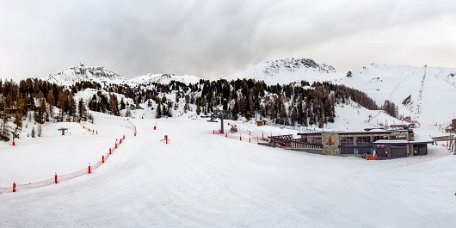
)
(89, 169)
(56, 179)
(14, 186)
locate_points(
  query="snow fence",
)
(243, 134)
(57, 178)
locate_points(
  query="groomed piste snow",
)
(205, 180)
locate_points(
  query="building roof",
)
(390, 142)
(309, 133)
(372, 131)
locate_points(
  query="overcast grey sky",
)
(215, 38)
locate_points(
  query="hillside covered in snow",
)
(425, 94)
(421, 94)
(104, 77)
(81, 73)
(284, 71)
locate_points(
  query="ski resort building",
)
(382, 144)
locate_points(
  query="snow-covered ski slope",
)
(34, 159)
(205, 180)
(431, 89)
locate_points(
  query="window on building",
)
(315, 140)
(365, 140)
(364, 151)
(379, 138)
(347, 151)
(346, 141)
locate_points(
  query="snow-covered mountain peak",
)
(99, 74)
(274, 67)
(163, 79)
(288, 70)
(79, 73)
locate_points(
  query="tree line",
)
(295, 103)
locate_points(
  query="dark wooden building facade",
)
(380, 143)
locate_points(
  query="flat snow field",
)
(206, 180)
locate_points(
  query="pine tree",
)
(250, 105)
(242, 107)
(304, 119)
(5, 128)
(33, 132)
(321, 123)
(158, 113)
(90, 118)
(39, 117)
(294, 116)
(114, 105)
(122, 104)
(50, 97)
(82, 110)
(18, 120)
(72, 106)
(299, 113)
(235, 110)
(283, 113)
(198, 109)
